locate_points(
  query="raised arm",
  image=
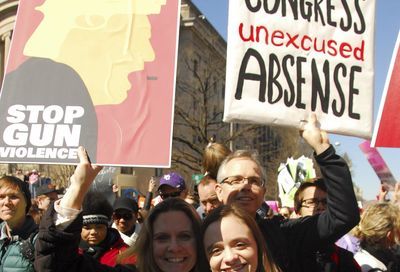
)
(83, 177)
(149, 194)
(56, 248)
(342, 213)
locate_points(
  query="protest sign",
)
(387, 125)
(286, 59)
(290, 175)
(378, 164)
(96, 73)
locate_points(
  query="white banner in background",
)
(286, 59)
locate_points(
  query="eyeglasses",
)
(125, 216)
(313, 202)
(168, 195)
(238, 180)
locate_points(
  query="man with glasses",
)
(294, 242)
(310, 199)
(172, 185)
(125, 219)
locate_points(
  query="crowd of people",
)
(82, 231)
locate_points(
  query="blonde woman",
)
(213, 155)
(378, 232)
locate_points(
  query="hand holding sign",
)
(315, 137)
(81, 180)
(383, 193)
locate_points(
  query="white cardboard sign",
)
(286, 59)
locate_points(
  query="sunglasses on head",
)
(125, 216)
(168, 195)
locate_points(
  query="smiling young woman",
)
(169, 240)
(233, 241)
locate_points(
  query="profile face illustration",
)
(102, 40)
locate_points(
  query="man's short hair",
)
(207, 179)
(318, 183)
(241, 154)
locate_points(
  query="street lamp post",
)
(231, 135)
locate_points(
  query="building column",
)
(6, 38)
